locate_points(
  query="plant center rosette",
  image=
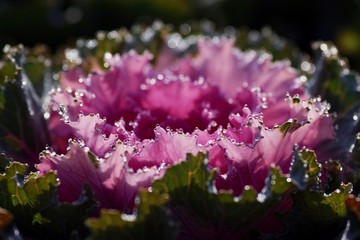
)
(120, 129)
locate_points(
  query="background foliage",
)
(56, 22)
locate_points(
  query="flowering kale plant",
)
(154, 134)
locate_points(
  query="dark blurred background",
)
(55, 22)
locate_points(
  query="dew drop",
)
(68, 90)
(287, 97)
(82, 144)
(180, 131)
(107, 56)
(113, 34)
(261, 197)
(46, 115)
(91, 43)
(128, 217)
(200, 80)
(305, 66)
(160, 77)
(147, 35)
(323, 47)
(151, 81)
(185, 29)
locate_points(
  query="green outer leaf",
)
(4, 161)
(276, 184)
(33, 201)
(353, 168)
(38, 66)
(318, 215)
(304, 170)
(152, 221)
(334, 174)
(8, 72)
(336, 200)
(315, 213)
(322, 208)
(205, 213)
(186, 193)
(23, 131)
(289, 126)
(313, 166)
(332, 80)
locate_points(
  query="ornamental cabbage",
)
(131, 122)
